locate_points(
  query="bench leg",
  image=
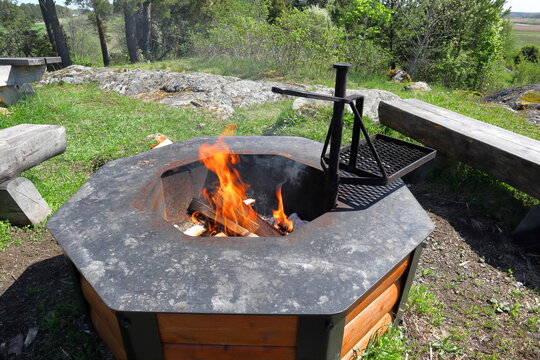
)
(11, 93)
(21, 203)
(527, 233)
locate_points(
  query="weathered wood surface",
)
(33, 61)
(26, 145)
(104, 321)
(507, 156)
(253, 330)
(16, 75)
(215, 352)
(21, 204)
(5, 71)
(9, 95)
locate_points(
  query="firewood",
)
(259, 226)
(249, 201)
(197, 205)
(220, 234)
(250, 225)
(195, 230)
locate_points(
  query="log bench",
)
(21, 148)
(505, 155)
(17, 73)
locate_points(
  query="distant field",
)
(526, 31)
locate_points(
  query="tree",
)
(129, 9)
(100, 9)
(54, 30)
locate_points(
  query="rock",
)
(523, 99)
(4, 111)
(399, 76)
(215, 93)
(30, 336)
(418, 86)
(15, 345)
(527, 233)
(372, 97)
(511, 95)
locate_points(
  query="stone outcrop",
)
(215, 93)
(523, 99)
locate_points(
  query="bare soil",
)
(488, 289)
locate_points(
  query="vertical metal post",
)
(408, 282)
(140, 335)
(332, 175)
(319, 337)
(356, 133)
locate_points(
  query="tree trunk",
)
(102, 39)
(131, 35)
(48, 10)
(143, 35)
(48, 22)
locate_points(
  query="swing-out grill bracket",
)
(373, 160)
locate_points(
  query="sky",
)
(517, 5)
(524, 5)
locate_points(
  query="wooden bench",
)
(21, 148)
(503, 154)
(17, 73)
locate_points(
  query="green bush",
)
(526, 73)
(530, 53)
(299, 39)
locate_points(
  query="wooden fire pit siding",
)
(374, 310)
(227, 336)
(104, 321)
(261, 337)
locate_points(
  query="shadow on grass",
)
(44, 298)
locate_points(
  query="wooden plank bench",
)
(17, 73)
(21, 148)
(503, 154)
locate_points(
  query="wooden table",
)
(17, 73)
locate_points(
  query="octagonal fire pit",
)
(318, 293)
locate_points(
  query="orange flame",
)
(228, 198)
(279, 215)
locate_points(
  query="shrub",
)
(530, 53)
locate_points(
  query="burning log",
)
(197, 205)
(256, 225)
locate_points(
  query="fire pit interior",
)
(320, 292)
(301, 187)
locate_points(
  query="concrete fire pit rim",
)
(301, 279)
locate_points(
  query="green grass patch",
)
(523, 38)
(100, 126)
(424, 303)
(5, 234)
(389, 346)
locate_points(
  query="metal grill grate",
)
(394, 155)
(363, 196)
(397, 157)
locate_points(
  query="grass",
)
(523, 38)
(424, 303)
